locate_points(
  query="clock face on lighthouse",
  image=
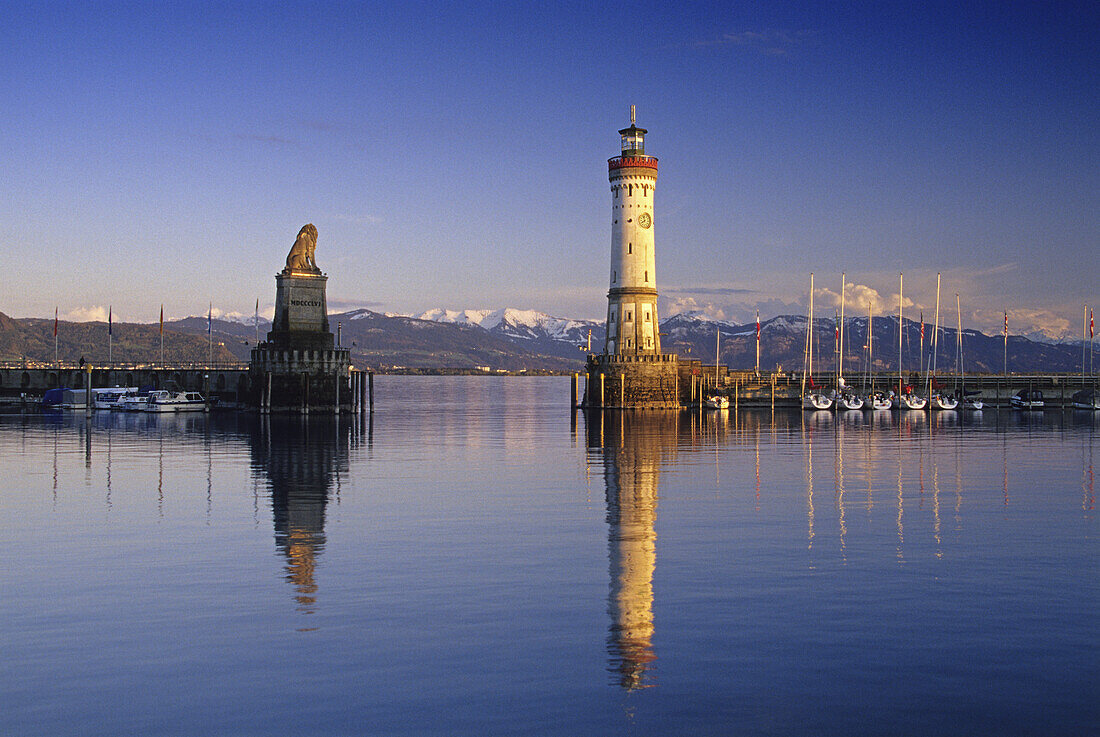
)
(645, 220)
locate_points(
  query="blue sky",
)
(454, 154)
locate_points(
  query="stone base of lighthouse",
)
(644, 381)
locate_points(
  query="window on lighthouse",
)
(630, 248)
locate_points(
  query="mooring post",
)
(337, 407)
(601, 390)
(622, 390)
(370, 390)
(268, 410)
(88, 389)
(773, 392)
(736, 394)
(573, 390)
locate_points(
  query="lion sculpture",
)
(301, 256)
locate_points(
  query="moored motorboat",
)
(109, 397)
(1028, 399)
(132, 403)
(164, 401)
(1086, 399)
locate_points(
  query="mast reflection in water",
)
(302, 460)
(632, 445)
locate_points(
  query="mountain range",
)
(517, 340)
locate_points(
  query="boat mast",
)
(901, 283)
(870, 343)
(840, 335)
(935, 343)
(810, 338)
(959, 349)
(717, 346)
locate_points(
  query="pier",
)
(782, 389)
(226, 384)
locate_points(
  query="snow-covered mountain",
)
(543, 333)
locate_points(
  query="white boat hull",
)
(849, 402)
(910, 401)
(816, 401)
(717, 403)
(876, 402)
(940, 401)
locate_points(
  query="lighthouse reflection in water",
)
(633, 446)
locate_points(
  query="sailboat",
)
(845, 397)
(814, 399)
(937, 399)
(973, 398)
(875, 399)
(716, 400)
(905, 398)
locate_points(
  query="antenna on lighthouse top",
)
(632, 115)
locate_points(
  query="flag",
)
(162, 319)
(1006, 323)
(922, 326)
(210, 319)
(1091, 325)
(758, 326)
(55, 322)
(110, 321)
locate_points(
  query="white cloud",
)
(1032, 323)
(94, 313)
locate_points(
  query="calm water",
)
(472, 563)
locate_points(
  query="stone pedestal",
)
(301, 312)
(299, 368)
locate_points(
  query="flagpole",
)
(55, 338)
(162, 335)
(110, 337)
(256, 323)
(210, 334)
(1084, 327)
(758, 342)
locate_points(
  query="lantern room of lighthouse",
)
(632, 298)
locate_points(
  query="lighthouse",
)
(632, 372)
(632, 298)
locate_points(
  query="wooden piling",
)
(601, 390)
(573, 390)
(370, 389)
(622, 390)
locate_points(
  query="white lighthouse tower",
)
(632, 298)
(632, 372)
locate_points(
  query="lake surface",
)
(473, 562)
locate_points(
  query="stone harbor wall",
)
(633, 382)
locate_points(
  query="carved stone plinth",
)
(301, 313)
